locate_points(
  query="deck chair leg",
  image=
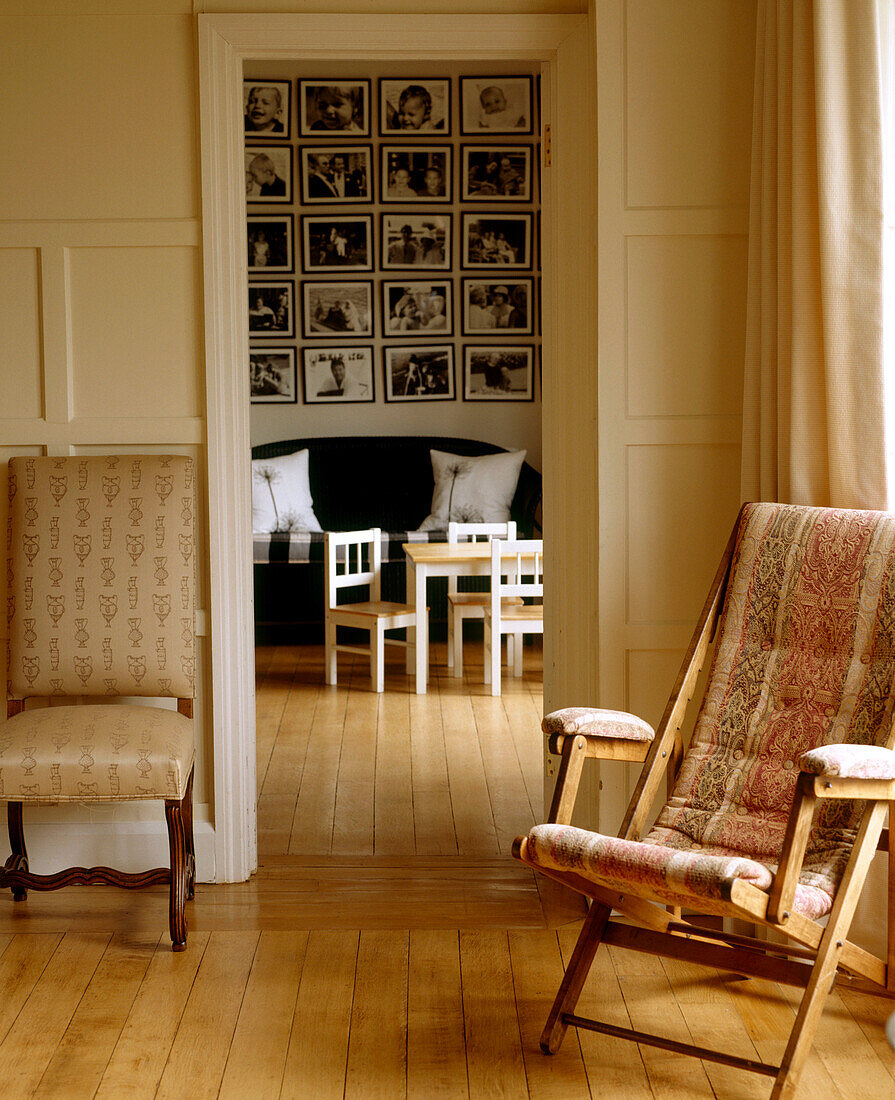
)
(177, 852)
(589, 939)
(330, 653)
(377, 659)
(18, 860)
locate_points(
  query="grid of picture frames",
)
(384, 222)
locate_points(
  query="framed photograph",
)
(416, 173)
(491, 307)
(416, 241)
(409, 308)
(495, 173)
(272, 376)
(337, 309)
(271, 310)
(498, 373)
(269, 238)
(338, 375)
(412, 107)
(336, 108)
(421, 373)
(268, 173)
(496, 240)
(333, 243)
(267, 107)
(334, 174)
(495, 105)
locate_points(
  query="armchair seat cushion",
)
(95, 753)
(594, 722)
(695, 877)
(849, 762)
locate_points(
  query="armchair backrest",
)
(804, 656)
(101, 576)
(353, 558)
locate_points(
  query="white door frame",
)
(563, 43)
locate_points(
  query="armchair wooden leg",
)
(187, 810)
(589, 940)
(18, 860)
(179, 877)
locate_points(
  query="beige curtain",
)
(813, 415)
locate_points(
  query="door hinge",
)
(548, 159)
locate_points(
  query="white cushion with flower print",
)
(281, 494)
(472, 489)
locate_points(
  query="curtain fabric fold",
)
(813, 409)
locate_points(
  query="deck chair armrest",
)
(849, 762)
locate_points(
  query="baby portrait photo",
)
(271, 311)
(413, 107)
(414, 307)
(410, 240)
(498, 374)
(328, 108)
(342, 375)
(496, 173)
(266, 107)
(337, 309)
(416, 173)
(268, 173)
(332, 243)
(336, 174)
(419, 374)
(495, 104)
(272, 376)
(269, 239)
(490, 306)
(496, 240)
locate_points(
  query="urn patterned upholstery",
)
(101, 562)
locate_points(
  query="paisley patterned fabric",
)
(100, 570)
(803, 659)
(849, 762)
(594, 722)
(106, 753)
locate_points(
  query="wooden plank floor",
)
(388, 947)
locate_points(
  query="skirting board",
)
(124, 845)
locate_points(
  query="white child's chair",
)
(470, 605)
(517, 570)
(353, 559)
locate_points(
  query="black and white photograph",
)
(268, 173)
(412, 107)
(488, 306)
(419, 173)
(272, 376)
(416, 240)
(409, 308)
(330, 107)
(336, 174)
(337, 309)
(421, 373)
(266, 105)
(338, 375)
(496, 173)
(498, 373)
(333, 243)
(271, 309)
(496, 240)
(269, 239)
(495, 105)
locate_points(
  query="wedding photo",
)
(338, 375)
(495, 173)
(334, 243)
(496, 240)
(416, 240)
(419, 373)
(336, 174)
(498, 374)
(269, 238)
(271, 311)
(413, 107)
(272, 376)
(332, 108)
(411, 307)
(416, 173)
(495, 104)
(497, 305)
(337, 309)
(268, 173)
(266, 106)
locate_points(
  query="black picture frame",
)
(278, 234)
(272, 376)
(424, 227)
(396, 92)
(333, 244)
(331, 309)
(434, 372)
(271, 121)
(357, 185)
(275, 318)
(504, 362)
(517, 115)
(513, 316)
(321, 99)
(489, 239)
(357, 383)
(268, 174)
(421, 291)
(418, 162)
(484, 178)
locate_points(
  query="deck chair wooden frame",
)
(517, 574)
(811, 956)
(354, 559)
(463, 605)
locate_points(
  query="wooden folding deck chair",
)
(776, 809)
